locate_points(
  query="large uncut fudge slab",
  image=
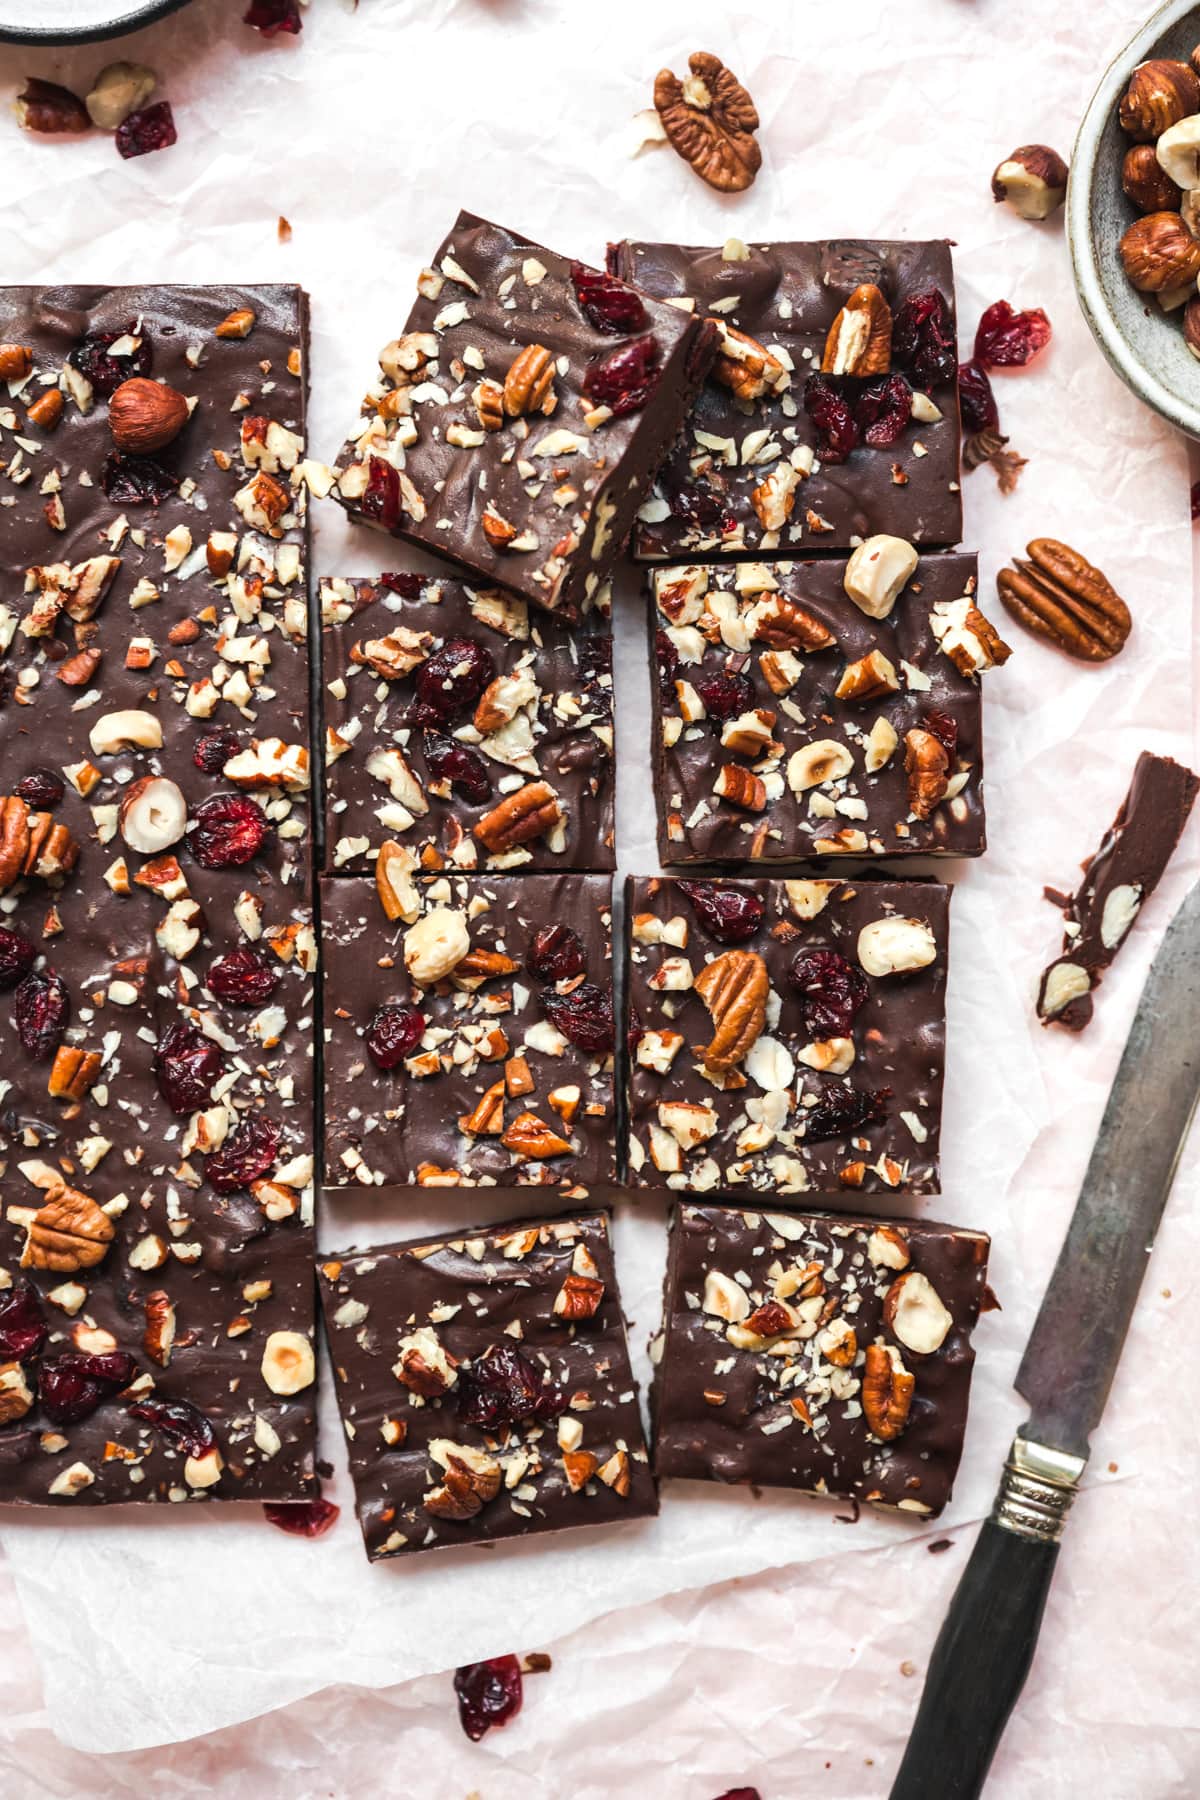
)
(791, 724)
(785, 1036)
(156, 1021)
(469, 1039)
(485, 1387)
(442, 702)
(817, 1352)
(519, 418)
(754, 470)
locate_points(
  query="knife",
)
(986, 1644)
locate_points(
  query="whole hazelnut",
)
(1033, 180)
(145, 416)
(1160, 252)
(1191, 327)
(1146, 183)
(1159, 94)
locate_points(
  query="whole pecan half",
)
(887, 1392)
(734, 988)
(859, 341)
(1058, 595)
(529, 813)
(927, 766)
(68, 1232)
(710, 120)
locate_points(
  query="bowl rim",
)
(130, 20)
(1084, 256)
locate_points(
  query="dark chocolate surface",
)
(133, 932)
(786, 296)
(442, 1306)
(711, 617)
(546, 715)
(402, 1126)
(564, 485)
(779, 1410)
(752, 1128)
(1117, 880)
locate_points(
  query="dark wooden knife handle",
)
(978, 1667)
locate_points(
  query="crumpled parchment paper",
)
(367, 134)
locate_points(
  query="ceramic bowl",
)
(1144, 345)
(76, 21)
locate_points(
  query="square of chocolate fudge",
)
(469, 1030)
(785, 1036)
(818, 1352)
(791, 722)
(441, 703)
(485, 1387)
(519, 418)
(831, 410)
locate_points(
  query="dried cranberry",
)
(883, 411)
(153, 128)
(584, 1016)
(459, 766)
(136, 480)
(381, 497)
(404, 583)
(249, 1155)
(105, 372)
(595, 671)
(740, 1794)
(831, 413)
(724, 693)
(730, 914)
(701, 506)
(841, 1110)
(273, 16)
(23, 1327)
(831, 992)
(976, 400)
(923, 338)
(74, 1384)
(607, 303)
(489, 1693)
(17, 956)
(504, 1388)
(229, 830)
(41, 1009)
(178, 1420)
(625, 379)
(454, 677)
(214, 750)
(945, 729)
(1008, 339)
(41, 787)
(393, 1034)
(188, 1066)
(556, 954)
(667, 657)
(243, 978)
(302, 1518)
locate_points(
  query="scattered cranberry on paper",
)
(272, 17)
(489, 1694)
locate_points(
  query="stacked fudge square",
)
(773, 432)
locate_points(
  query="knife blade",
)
(986, 1644)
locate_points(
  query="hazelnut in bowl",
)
(1133, 214)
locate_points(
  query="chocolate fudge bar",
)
(485, 1387)
(469, 1030)
(157, 1306)
(521, 414)
(831, 410)
(818, 1352)
(441, 702)
(1117, 880)
(794, 717)
(785, 1036)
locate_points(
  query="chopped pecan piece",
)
(579, 1297)
(531, 1137)
(72, 1073)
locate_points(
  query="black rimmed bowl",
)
(77, 21)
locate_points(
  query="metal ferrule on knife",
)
(1037, 1489)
